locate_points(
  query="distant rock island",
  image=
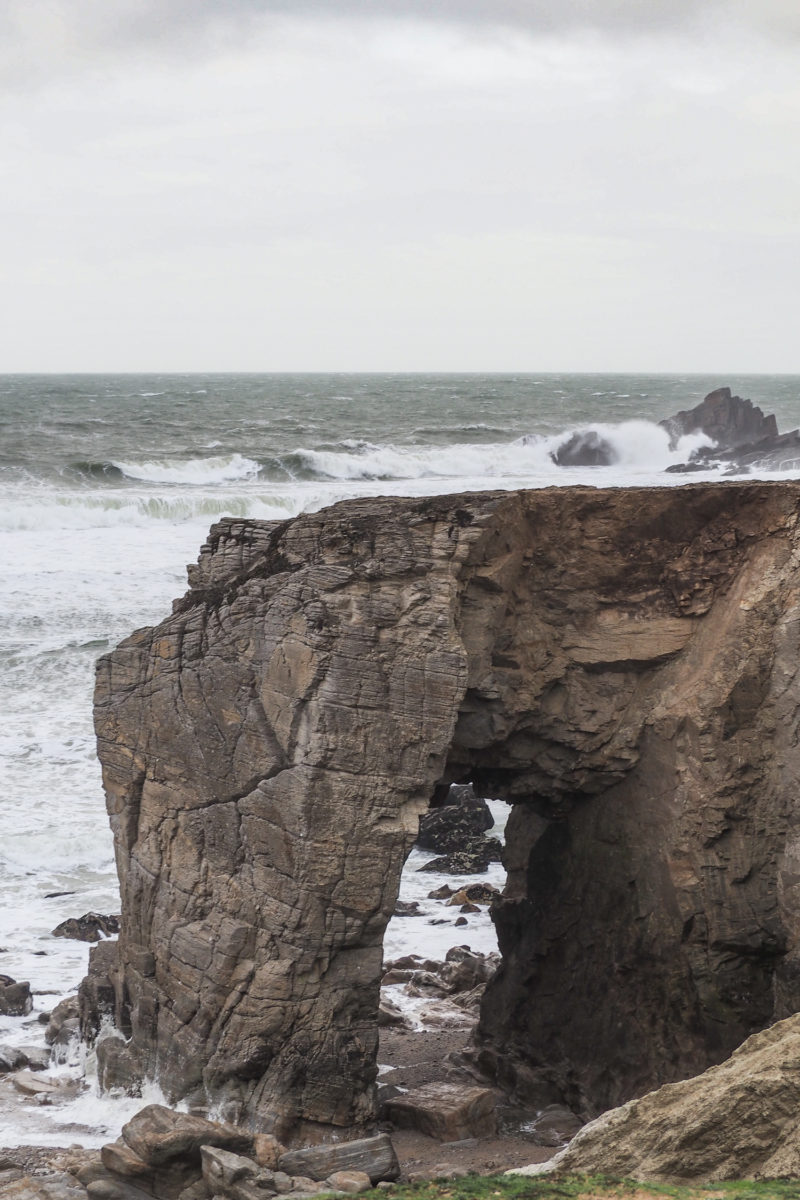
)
(621, 665)
(742, 437)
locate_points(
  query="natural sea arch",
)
(621, 665)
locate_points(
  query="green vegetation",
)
(588, 1187)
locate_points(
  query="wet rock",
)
(461, 921)
(473, 858)
(15, 998)
(117, 1067)
(69, 1032)
(442, 893)
(743, 436)
(375, 1156)
(390, 1014)
(97, 991)
(67, 1010)
(464, 970)
(475, 893)
(91, 927)
(12, 1059)
(392, 977)
(445, 1111)
(454, 825)
(33, 1085)
(728, 419)
(37, 1058)
(406, 908)
(585, 449)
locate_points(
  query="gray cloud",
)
(81, 26)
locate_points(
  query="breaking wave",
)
(223, 468)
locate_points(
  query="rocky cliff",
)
(621, 664)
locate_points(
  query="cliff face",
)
(622, 665)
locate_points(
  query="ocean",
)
(108, 485)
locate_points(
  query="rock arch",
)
(621, 664)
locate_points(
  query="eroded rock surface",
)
(739, 1120)
(622, 665)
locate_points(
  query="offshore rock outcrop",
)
(622, 665)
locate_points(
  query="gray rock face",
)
(728, 419)
(621, 665)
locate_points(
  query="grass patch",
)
(588, 1187)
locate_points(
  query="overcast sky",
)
(457, 185)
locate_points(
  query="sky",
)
(400, 185)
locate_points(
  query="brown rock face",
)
(622, 665)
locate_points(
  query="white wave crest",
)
(47, 510)
(222, 468)
(636, 448)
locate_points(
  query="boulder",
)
(475, 893)
(33, 1085)
(445, 1111)
(15, 998)
(349, 1181)
(235, 1176)
(465, 970)
(587, 448)
(37, 1058)
(473, 858)
(554, 1126)
(118, 1158)
(67, 1010)
(12, 1059)
(738, 1120)
(91, 927)
(374, 1156)
(454, 825)
(157, 1134)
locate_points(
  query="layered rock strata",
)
(622, 665)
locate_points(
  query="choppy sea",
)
(108, 485)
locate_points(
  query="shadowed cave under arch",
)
(620, 665)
